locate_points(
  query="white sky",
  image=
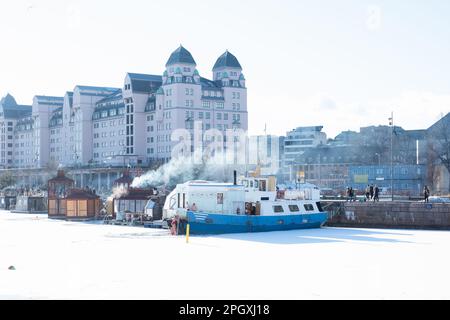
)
(342, 64)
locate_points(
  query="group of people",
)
(372, 193)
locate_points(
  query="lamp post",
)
(379, 158)
(391, 123)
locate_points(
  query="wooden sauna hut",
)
(58, 190)
(8, 198)
(31, 203)
(82, 205)
(132, 204)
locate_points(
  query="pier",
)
(388, 214)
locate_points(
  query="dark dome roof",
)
(181, 55)
(227, 60)
(8, 101)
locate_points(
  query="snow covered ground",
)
(67, 260)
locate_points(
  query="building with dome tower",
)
(102, 127)
(179, 99)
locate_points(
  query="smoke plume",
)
(180, 170)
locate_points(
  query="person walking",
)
(367, 193)
(371, 191)
(352, 194)
(426, 193)
(376, 196)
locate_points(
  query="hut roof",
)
(79, 194)
(125, 179)
(137, 194)
(61, 178)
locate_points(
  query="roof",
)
(145, 77)
(80, 194)
(61, 178)
(55, 101)
(12, 110)
(137, 194)
(181, 55)
(125, 179)
(97, 88)
(442, 123)
(17, 112)
(8, 101)
(227, 60)
(145, 83)
(206, 83)
(113, 97)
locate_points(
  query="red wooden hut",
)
(82, 204)
(58, 189)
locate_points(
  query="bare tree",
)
(439, 142)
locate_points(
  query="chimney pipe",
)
(235, 177)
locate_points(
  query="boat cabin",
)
(259, 189)
(204, 196)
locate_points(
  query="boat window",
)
(319, 206)
(265, 198)
(246, 183)
(278, 209)
(220, 198)
(251, 184)
(262, 185)
(294, 208)
(256, 184)
(309, 207)
(179, 198)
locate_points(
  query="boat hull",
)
(204, 223)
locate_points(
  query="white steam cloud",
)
(182, 169)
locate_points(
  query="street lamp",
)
(379, 158)
(391, 123)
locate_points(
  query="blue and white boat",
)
(250, 205)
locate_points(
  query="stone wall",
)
(409, 215)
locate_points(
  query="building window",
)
(206, 104)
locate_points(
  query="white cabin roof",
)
(200, 183)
